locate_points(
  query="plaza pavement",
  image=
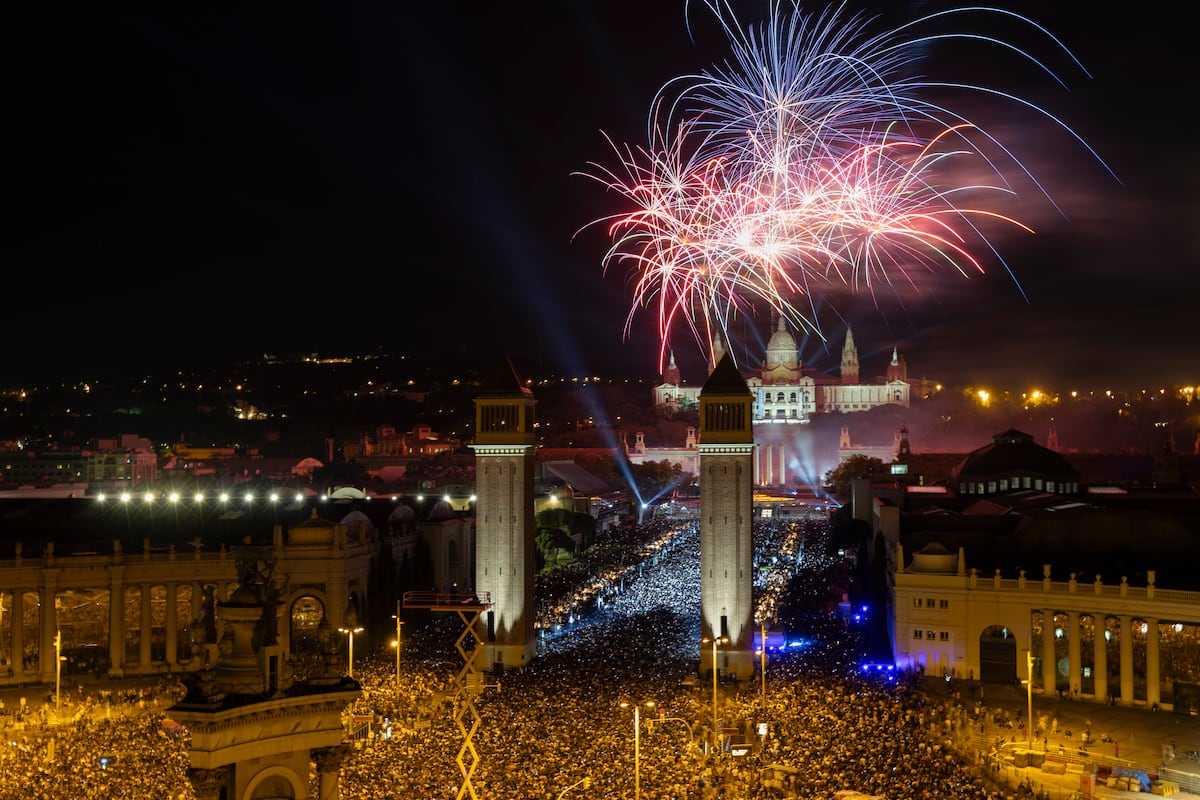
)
(1139, 737)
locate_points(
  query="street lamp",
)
(584, 782)
(350, 632)
(58, 659)
(637, 747)
(715, 641)
(762, 692)
(396, 644)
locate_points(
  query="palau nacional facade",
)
(785, 394)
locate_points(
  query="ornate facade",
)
(786, 391)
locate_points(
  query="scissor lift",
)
(469, 681)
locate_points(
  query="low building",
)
(1087, 592)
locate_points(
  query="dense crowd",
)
(110, 744)
(622, 626)
(631, 636)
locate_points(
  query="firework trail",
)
(810, 160)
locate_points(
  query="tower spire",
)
(849, 360)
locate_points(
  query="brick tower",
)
(504, 550)
(726, 507)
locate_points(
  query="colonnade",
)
(48, 626)
(948, 617)
(1100, 678)
(319, 559)
(770, 465)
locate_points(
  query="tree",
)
(842, 476)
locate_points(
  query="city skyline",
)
(218, 186)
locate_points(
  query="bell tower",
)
(504, 552)
(726, 508)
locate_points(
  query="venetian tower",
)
(504, 530)
(726, 506)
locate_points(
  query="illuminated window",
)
(917, 634)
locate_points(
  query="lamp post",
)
(715, 641)
(396, 644)
(637, 747)
(584, 782)
(58, 659)
(762, 691)
(350, 632)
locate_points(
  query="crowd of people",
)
(108, 743)
(620, 630)
(634, 640)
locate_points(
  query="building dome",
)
(442, 510)
(781, 349)
(401, 513)
(357, 519)
(934, 558)
(1013, 462)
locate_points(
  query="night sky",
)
(190, 183)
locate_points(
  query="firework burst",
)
(811, 160)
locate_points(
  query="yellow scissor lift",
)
(469, 681)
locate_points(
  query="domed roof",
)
(782, 353)
(781, 339)
(934, 557)
(357, 519)
(1014, 453)
(442, 510)
(401, 513)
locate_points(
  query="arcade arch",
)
(997, 655)
(306, 613)
(276, 783)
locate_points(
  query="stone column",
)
(18, 633)
(116, 622)
(172, 624)
(197, 600)
(329, 762)
(1153, 682)
(146, 627)
(1049, 667)
(48, 626)
(1100, 648)
(208, 784)
(1126, 658)
(1074, 667)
